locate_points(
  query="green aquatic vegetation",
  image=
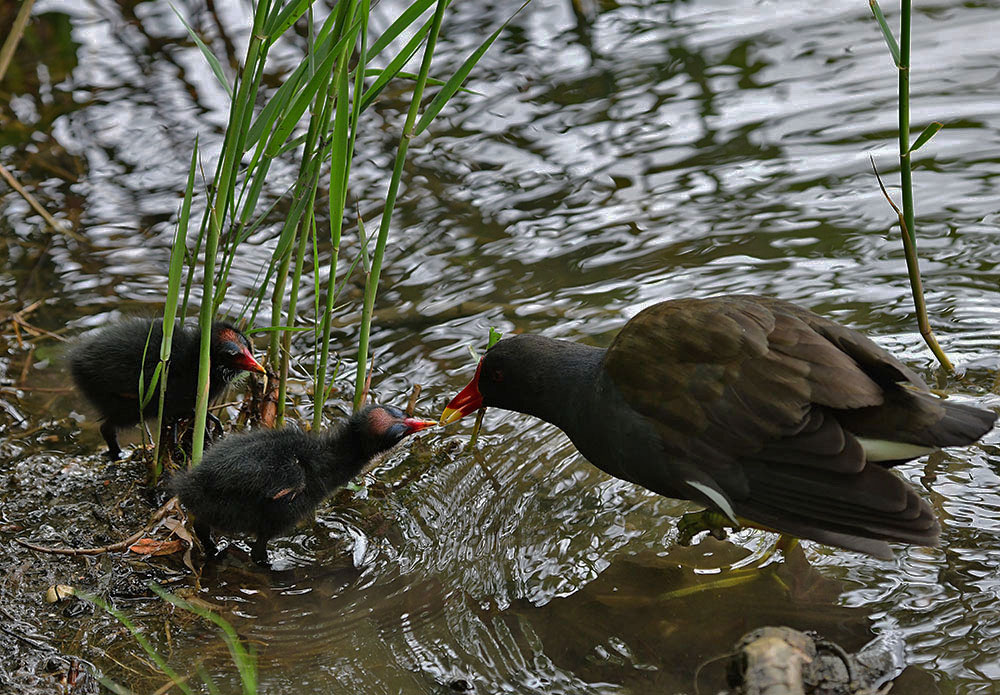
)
(315, 115)
(244, 658)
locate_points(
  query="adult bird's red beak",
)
(246, 362)
(415, 425)
(468, 400)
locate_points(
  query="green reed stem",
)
(245, 660)
(286, 337)
(908, 230)
(170, 308)
(900, 53)
(371, 286)
(345, 125)
(905, 173)
(240, 114)
(304, 234)
(160, 662)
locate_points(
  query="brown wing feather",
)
(743, 392)
(733, 371)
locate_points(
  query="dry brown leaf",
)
(151, 547)
(177, 527)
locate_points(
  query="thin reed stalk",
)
(14, 37)
(901, 55)
(170, 308)
(341, 154)
(218, 208)
(243, 657)
(371, 286)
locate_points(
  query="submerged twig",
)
(120, 545)
(411, 406)
(37, 207)
(14, 37)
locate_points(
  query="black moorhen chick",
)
(266, 481)
(105, 366)
(752, 406)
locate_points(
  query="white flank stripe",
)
(720, 500)
(884, 450)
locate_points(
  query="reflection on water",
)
(671, 148)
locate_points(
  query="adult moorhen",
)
(266, 481)
(752, 406)
(105, 366)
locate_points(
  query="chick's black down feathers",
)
(266, 481)
(106, 365)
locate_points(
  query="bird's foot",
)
(258, 552)
(693, 523)
(204, 534)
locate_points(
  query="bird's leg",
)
(693, 523)
(204, 533)
(214, 421)
(173, 431)
(785, 544)
(725, 581)
(110, 434)
(258, 551)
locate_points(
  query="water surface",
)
(669, 149)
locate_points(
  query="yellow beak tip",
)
(449, 415)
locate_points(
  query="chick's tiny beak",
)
(415, 425)
(246, 362)
(468, 400)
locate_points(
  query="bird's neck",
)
(341, 456)
(560, 382)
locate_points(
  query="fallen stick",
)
(120, 545)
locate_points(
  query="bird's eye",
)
(496, 376)
(396, 431)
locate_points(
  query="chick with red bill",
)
(754, 407)
(264, 482)
(106, 366)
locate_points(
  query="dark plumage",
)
(106, 365)
(266, 481)
(749, 405)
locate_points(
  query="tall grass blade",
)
(207, 52)
(288, 121)
(901, 54)
(396, 64)
(456, 80)
(286, 18)
(177, 253)
(403, 22)
(377, 72)
(890, 40)
(322, 47)
(341, 155)
(246, 662)
(371, 286)
(178, 681)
